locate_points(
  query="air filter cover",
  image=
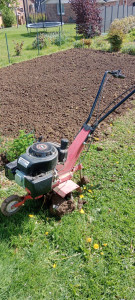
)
(41, 149)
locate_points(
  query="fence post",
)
(38, 41)
(105, 19)
(59, 36)
(118, 11)
(111, 13)
(7, 48)
(123, 9)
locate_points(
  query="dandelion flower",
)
(88, 240)
(105, 244)
(81, 196)
(81, 211)
(46, 233)
(96, 246)
(31, 216)
(102, 253)
(54, 266)
(117, 162)
(90, 191)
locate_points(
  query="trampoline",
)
(44, 25)
(43, 13)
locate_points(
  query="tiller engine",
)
(49, 167)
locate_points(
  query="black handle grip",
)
(117, 74)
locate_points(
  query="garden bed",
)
(53, 94)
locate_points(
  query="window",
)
(62, 9)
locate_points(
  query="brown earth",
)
(53, 94)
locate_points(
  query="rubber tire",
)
(6, 202)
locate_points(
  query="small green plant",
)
(40, 41)
(60, 40)
(78, 44)
(129, 48)
(19, 145)
(115, 37)
(100, 43)
(132, 35)
(18, 48)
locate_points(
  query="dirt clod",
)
(60, 206)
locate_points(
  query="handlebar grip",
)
(117, 74)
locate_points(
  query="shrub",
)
(88, 18)
(115, 37)
(8, 17)
(100, 43)
(60, 40)
(40, 41)
(132, 35)
(125, 24)
(87, 42)
(129, 48)
(19, 145)
(18, 48)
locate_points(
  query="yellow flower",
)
(54, 266)
(81, 211)
(88, 240)
(31, 216)
(81, 196)
(102, 253)
(110, 124)
(84, 187)
(117, 162)
(96, 246)
(96, 138)
(105, 244)
(90, 191)
(46, 233)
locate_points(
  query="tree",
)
(88, 18)
(7, 3)
(8, 16)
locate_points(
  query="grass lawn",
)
(20, 34)
(89, 253)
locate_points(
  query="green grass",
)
(44, 258)
(20, 34)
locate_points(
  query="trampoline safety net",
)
(43, 13)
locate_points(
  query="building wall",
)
(52, 14)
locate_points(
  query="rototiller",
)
(47, 168)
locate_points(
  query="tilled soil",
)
(53, 94)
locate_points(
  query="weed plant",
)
(18, 48)
(15, 148)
